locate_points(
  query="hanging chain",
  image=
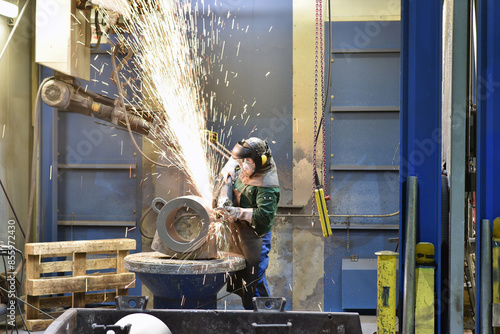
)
(316, 50)
(322, 61)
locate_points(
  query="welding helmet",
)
(251, 154)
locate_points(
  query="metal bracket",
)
(131, 302)
(115, 329)
(472, 164)
(268, 304)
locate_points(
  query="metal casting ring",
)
(165, 223)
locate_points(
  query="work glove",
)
(229, 169)
(240, 213)
(224, 202)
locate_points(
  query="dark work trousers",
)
(251, 281)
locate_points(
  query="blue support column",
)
(47, 228)
(488, 123)
(421, 122)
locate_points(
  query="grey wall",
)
(15, 123)
(259, 76)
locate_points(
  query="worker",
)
(255, 202)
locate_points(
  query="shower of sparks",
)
(169, 61)
(173, 44)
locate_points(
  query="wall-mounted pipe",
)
(305, 215)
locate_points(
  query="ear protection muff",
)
(264, 159)
(265, 156)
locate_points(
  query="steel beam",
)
(457, 166)
(421, 121)
(488, 123)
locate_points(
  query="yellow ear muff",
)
(264, 159)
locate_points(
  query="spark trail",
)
(168, 60)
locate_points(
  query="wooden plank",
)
(56, 267)
(120, 256)
(32, 313)
(65, 301)
(79, 269)
(47, 286)
(54, 302)
(33, 266)
(32, 272)
(96, 298)
(67, 247)
(38, 325)
(67, 266)
(120, 268)
(98, 264)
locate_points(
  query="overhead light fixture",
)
(8, 9)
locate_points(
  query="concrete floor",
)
(368, 324)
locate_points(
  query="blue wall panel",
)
(365, 138)
(364, 156)
(359, 283)
(365, 193)
(342, 245)
(363, 35)
(365, 79)
(87, 191)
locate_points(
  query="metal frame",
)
(457, 168)
(420, 119)
(488, 122)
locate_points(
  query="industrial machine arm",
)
(71, 97)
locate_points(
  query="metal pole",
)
(409, 273)
(386, 292)
(456, 166)
(486, 290)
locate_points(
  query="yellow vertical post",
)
(386, 292)
(424, 289)
(495, 270)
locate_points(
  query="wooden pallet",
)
(64, 274)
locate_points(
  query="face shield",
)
(246, 156)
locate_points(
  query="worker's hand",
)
(221, 212)
(229, 169)
(240, 213)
